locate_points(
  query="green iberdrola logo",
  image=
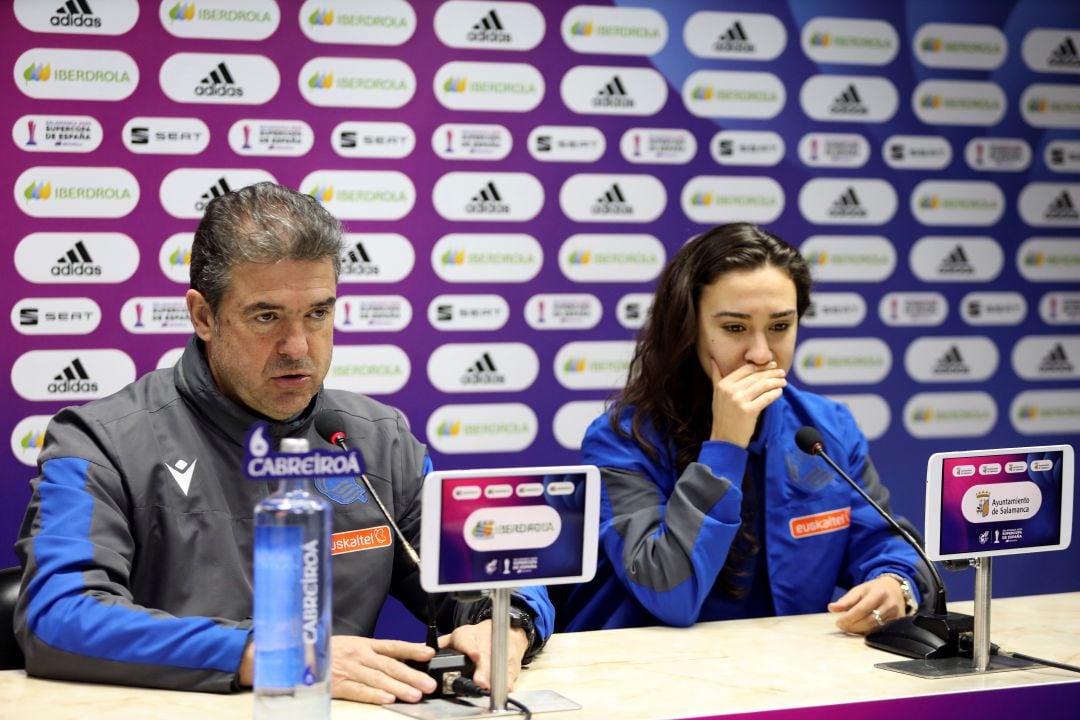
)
(321, 17)
(182, 11)
(38, 73)
(322, 81)
(38, 191)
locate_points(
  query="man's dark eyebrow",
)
(263, 306)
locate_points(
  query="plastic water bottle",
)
(292, 601)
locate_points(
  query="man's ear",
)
(202, 317)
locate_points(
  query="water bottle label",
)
(279, 611)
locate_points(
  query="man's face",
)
(747, 317)
(269, 345)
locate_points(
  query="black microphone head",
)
(329, 426)
(809, 440)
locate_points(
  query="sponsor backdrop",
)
(514, 175)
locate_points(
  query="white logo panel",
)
(632, 310)
(219, 78)
(953, 102)
(849, 98)
(459, 141)
(1051, 106)
(593, 365)
(271, 138)
(1062, 156)
(55, 74)
(614, 31)
(611, 90)
(28, 437)
(115, 18)
(468, 312)
(1042, 259)
(1050, 204)
(951, 359)
(186, 192)
(842, 40)
(156, 315)
(958, 414)
(956, 259)
(850, 361)
(1060, 308)
(913, 309)
(993, 308)
(501, 258)
(482, 428)
(566, 143)
(916, 152)
(362, 194)
(760, 148)
(960, 47)
(710, 199)
(611, 258)
(834, 309)
(843, 150)
(503, 87)
(495, 26)
(488, 197)
(376, 258)
(660, 146)
(1047, 357)
(483, 367)
(997, 154)
(372, 313)
(612, 198)
(1053, 50)
(847, 201)
(56, 316)
(166, 135)
(849, 258)
(1046, 412)
(734, 36)
(79, 258)
(563, 311)
(69, 375)
(573, 419)
(57, 133)
(220, 19)
(748, 95)
(957, 202)
(356, 82)
(346, 22)
(368, 369)
(82, 192)
(174, 258)
(373, 139)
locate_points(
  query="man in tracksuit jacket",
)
(137, 544)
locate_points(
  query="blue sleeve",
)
(75, 617)
(666, 537)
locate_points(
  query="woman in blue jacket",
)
(709, 511)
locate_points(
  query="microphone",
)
(447, 665)
(920, 636)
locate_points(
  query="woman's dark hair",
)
(666, 385)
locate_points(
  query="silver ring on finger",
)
(876, 614)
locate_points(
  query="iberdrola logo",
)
(321, 17)
(182, 11)
(931, 102)
(929, 202)
(574, 365)
(813, 361)
(32, 440)
(702, 92)
(922, 415)
(455, 85)
(1038, 105)
(583, 28)
(701, 199)
(321, 81)
(932, 44)
(817, 258)
(580, 257)
(1034, 259)
(37, 73)
(483, 529)
(820, 39)
(1027, 412)
(180, 256)
(449, 428)
(38, 191)
(453, 257)
(322, 193)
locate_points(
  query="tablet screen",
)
(999, 501)
(509, 527)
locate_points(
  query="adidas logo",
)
(487, 201)
(956, 263)
(219, 83)
(612, 202)
(847, 205)
(1064, 55)
(356, 261)
(483, 372)
(75, 13)
(216, 190)
(951, 363)
(848, 103)
(734, 40)
(1062, 208)
(1056, 361)
(613, 95)
(73, 379)
(489, 29)
(75, 262)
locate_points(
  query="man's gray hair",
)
(261, 223)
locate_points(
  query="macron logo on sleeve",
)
(182, 473)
